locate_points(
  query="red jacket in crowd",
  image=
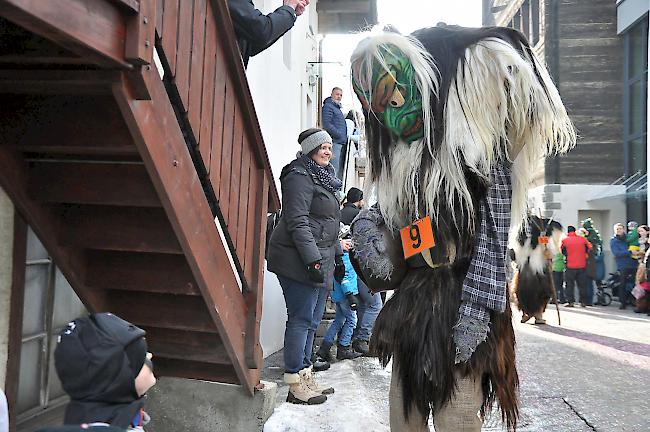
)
(575, 248)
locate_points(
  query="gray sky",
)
(407, 16)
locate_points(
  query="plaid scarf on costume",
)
(485, 284)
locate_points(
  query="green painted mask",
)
(394, 97)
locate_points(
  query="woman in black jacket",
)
(304, 252)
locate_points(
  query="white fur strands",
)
(368, 52)
(501, 103)
(504, 101)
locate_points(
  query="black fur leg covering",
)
(415, 328)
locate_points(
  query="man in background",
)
(334, 124)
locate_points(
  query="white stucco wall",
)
(6, 258)
(279, 82)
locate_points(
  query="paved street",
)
(590, 374)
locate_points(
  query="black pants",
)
(573, 277)
(627, 283)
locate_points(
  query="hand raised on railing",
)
(298, 5)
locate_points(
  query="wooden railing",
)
(200, 52)
(206, 79)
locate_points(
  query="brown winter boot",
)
(307, 375)
(299, 393)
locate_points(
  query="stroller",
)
(616, 284)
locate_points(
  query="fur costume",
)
(457, 119)
(533, 285)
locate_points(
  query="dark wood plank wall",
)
(589, 69)
(199, 60)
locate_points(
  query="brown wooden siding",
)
(214, 99)
(589, 72)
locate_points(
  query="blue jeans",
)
(301, 300)
(319, 310)
(338, 158)
(344, 321)
(369, 307)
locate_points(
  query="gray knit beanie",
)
(311, 139)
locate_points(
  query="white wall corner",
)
(6, 265)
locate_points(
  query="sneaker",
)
(361, 346)
(346, 353)
(540, 321)
(320, 364)
(568, 305)
(525, 318)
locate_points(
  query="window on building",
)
(49, 304)
(635, 106)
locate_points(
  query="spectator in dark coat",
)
(256, 31)
(305, 254)
(334, 124)
(352, 206)
(625, 264)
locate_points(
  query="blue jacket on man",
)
(334, 121)
(621, 253)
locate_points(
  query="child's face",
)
(145, 379)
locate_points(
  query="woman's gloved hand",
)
(339, 268)
(315, 272)
(353, 300)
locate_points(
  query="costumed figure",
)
(536, 244)
(457, 120)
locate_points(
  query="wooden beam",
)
(112, 184)
(186, 345)
(141, 33)
(131, 5)
(16, 306)
(156, 273)
(176, 312)
(160, 141)
(30, 122)
(254, 296)
(44, 82)
(195, 370)
(46, 225)
(129, 229)
(93, 29)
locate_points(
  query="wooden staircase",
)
(150, 194)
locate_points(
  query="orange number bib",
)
(417, 237)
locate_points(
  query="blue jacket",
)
(349, 284)
(622, 255)
(334, 122)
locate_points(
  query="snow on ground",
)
(359, 403)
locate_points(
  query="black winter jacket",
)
(256, 31)
(348, 213)
(334, 121)
(308, 228)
